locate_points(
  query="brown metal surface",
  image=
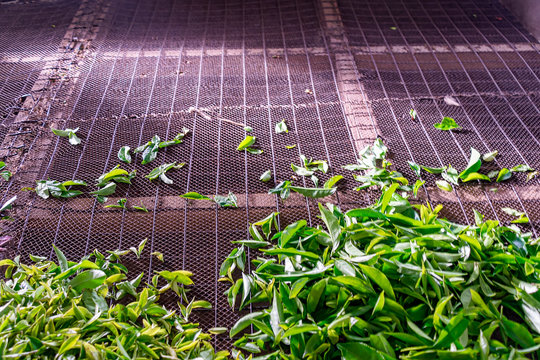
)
(252, 62)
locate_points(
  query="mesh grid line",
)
(251, 62)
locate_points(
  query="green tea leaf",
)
(254, 151)
(301, 170)
(292, 252)
(8, 204)
(74, 183)
(413, 114)
(244, 322)
(415, 167)
(443, 185)
(247, 142)
(504, 174)
(6, 174)
(161, 170)
(266, 176)
(69, 344)
(226, 201)
(475, 176)
(433, 170)
(378, 278)
(447, 123)
(140, 207)
(532, 175)
(521, 168)
(69, 133)
(124, 155)
(451, 175)
(89, 279)
(474, 164)
(281, 127)
(107, 190)
(417, 186)
(313, 192)
(194, 196)
(512, 212)
(490, 156)
(330, 183)
(518, 333)
(315, 295)
(283, 189)
(359, 351)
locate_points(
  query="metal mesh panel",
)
(411, 54)
(25, 50)
(251, 62)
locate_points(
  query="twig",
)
(208, 117)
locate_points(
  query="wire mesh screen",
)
(411, 54)
(25, 50)
(256, 63)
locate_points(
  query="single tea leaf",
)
(124, 155)
(446, 124)
(266, 176)
(246, 143)
(490, 156)
(281, 127)
(443, 185)
(194, 196)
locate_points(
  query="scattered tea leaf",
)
(120, 204)
(194, 196)
(434, 170)
(226, 201)
(247, 142)
(521, 168)
(248, 128)
(490, 156)
(158, 255)
(532, 175)
(446, 124)
(493, 173)
(178, 139)
(281, 127)
(8, 204)
(124, 155)
(140, 207)
(504, 174)
(413, 114)
(116, 174)
(443, 185)
(161, 170)
(521, 216)
(417, 185)
(475, 176)
(474, 164)
(415, 167)
(290, 146)
(266, 176)
(69, 133)
(330, 183)
(282, 189)
(314, 192)
(46, 188)
(451, 175)
(254, 151)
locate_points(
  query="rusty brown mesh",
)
(252, 62)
